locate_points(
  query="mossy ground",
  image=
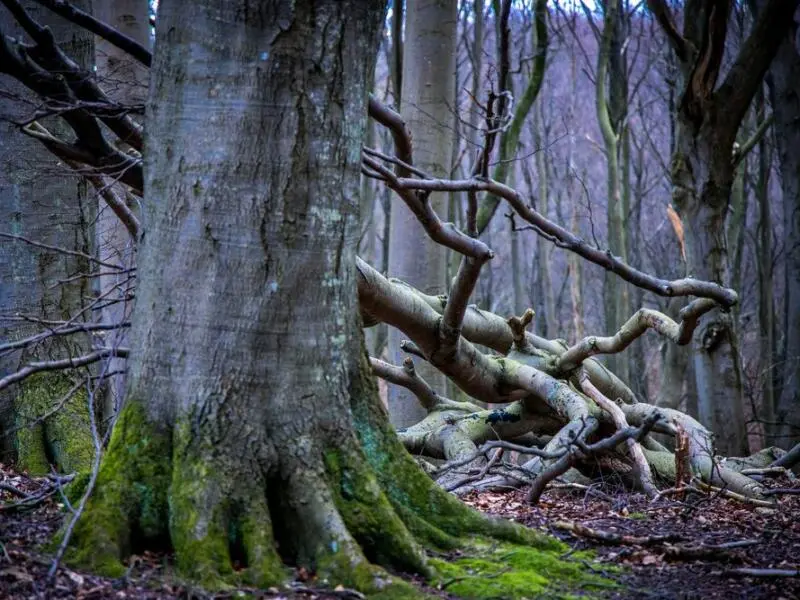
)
(150, 493)
(490, 570)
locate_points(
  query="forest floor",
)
(683, 551)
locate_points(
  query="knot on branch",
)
(408, 366)
(713, 336)
(518, 326)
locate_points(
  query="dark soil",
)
(647, 570)
(28, 522)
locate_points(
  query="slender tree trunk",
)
(736, 225)
(547, 320)
(611, 111)
(575, 282)
(784, 82)
(766, 299)
(427, 107)
(125, 81)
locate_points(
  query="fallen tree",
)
(546, 387)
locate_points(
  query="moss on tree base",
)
(128, 508)
(356, 524)
(63, 439)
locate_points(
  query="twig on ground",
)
(733, 495)
(781, 491)
(616, 539)
(677, 491)
(751, 572)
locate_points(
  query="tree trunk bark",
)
(702, 182)
(250, 396)
(125, 81)
(41, 201)
(427, 107)
(766, 282)
(784, 82)
(547, 320)
(611, 111)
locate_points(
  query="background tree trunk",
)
(42, 201)
(125, 81)
(702, 181)
(428, 83)
(612, 108)
(784, 83)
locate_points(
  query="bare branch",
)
(20, 238)
(397, 126)
(640, 322)
(644, 472)
(682, 47)
(679, 287)
(733, 97)
(82, 327)
(741, 152)
(120, 40)
(64, 363)
(407, 377)
(444, 233)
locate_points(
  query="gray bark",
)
(125, 81)
(612, 109)
(784, 82)
(715, 350)
(42, 201)
(427, 107)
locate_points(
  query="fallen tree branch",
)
(734, 495)
(644, 473)
(683, 551)
(407, 377)
(637, 325)
(752, 572)
(566, 239)
(616, 539)
(788, 460)
(782, 491)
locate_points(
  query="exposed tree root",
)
(345, 512)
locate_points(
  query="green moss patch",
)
(129, 506)
(64, 439)
(486, 570)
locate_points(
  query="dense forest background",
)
(560, 164)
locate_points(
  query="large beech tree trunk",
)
(248, 378)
